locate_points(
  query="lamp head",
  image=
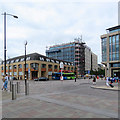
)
(15, 16)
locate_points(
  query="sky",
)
(43, 23)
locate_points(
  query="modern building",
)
(94, 63)
(76, 52)
(110, 43)
(37, 66)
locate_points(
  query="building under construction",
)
(77, 52)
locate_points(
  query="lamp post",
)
(5, 38)
(25, 70)
(75, 72)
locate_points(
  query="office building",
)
(76, 52)
(110, 43)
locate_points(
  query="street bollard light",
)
(11, 82)
(13, 91)
(5, 38)
(18, 87)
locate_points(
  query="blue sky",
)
(45, 23)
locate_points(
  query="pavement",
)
(105, 87)
(61, 99)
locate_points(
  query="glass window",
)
(113, 40)
(117, 47)
(34, 66)
(55, 67)
(113, 56)
(110, 40)
(116, 65)
(104, 51)
(14, 67)
(10, 67)
(20, 66)
(113, 48)
(117, 56)
(110, 57)
(26, 65)
(109, 48)
(2, 68)
(117, 39)
(49, 66)
(43, 65)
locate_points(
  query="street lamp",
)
(75, 72)
(5, 38)
(25, 70)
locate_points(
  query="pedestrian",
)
(94, 80)
(110, 84)
(107, 81)
(3, 79)
(6, 82)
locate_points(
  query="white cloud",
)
(44, 23)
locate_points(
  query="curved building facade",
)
(37, 66)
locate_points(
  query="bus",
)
(66, 76)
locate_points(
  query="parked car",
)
(36, 79)
(43, 79)
(14, 78)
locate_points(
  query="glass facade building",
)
(110, 44)
(76, 52)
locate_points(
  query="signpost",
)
(61, 66)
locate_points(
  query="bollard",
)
(18, 87)
(11, 82)
(27, 89)
(13, 91)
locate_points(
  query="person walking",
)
(6, 82)
(94, 80)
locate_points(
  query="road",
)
(61, 99)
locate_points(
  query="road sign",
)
(61, 65)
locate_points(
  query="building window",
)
(113, 56)
(14, 67)
(20, 73)
(110, 57)
(20, 66)
(10, 67)
(49, 66)
(26, 65)
(110, 40)
(117, 47)
(55, 67)
(113, 48)
(117, 56)
(34, 66)
(43, 65)
(117, 39)
(2, 68)
(104, 50)
(113, 39)
(116, 65)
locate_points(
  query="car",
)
(36, 79)
(14, 78)
(43, 79)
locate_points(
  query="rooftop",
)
(113, 28)
(35, 56)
